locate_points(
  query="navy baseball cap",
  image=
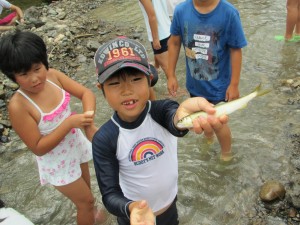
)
(119, 53)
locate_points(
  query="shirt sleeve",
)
(107, 170)
(175, 28)
(238, 39)
(163, 112)
(5, 4)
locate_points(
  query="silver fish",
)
(223, 108)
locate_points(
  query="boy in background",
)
(212, 35)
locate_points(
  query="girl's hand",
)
(81, 120)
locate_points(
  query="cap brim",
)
(118, 66)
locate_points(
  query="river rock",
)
(272, 190)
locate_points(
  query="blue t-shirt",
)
(207, 39)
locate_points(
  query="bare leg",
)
(156, 63)
(297, 31)
(291, 19)
(80, 194)
(86, 174)
(162, 59)
(99, 215)
(6, 28)
(224, 138)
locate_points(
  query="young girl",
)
(40, 114)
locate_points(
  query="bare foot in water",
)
(100, 216)
(226, 156)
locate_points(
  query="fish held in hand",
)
(224, 108)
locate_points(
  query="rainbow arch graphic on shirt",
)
(145, 149)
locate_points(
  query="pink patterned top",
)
(61, 165)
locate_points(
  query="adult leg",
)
(291, 18)
(80, 194)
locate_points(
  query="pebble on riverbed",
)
(272, 190)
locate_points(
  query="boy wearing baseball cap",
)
(135, 152)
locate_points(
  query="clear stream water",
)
(210, 192)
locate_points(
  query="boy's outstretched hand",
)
(209, 125)
(141, 213)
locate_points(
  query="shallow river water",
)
(210, 192)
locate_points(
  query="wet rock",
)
(10, 85)
(272, 190)
(2, 93)
(292, 212)
(6, 123)
(296, 200)
(296, 84)
(4, 139)
(81, 58)
(93, 45)
(2, 103)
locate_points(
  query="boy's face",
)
(127, 94)
(32, 81)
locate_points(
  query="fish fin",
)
(244, 106)
(261, 92)
(220, 103)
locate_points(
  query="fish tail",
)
(261, 92)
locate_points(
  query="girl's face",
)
(32, 81)
(127, 95)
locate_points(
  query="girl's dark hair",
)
(19, 51)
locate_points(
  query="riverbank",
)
(72, 37)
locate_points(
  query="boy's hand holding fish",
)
(208, 124)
